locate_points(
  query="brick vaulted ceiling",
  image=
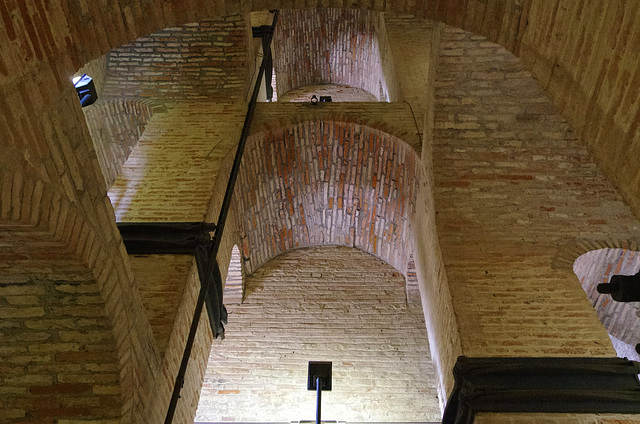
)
(331, 46)
(327, 182)
(49, 167)
(547, 37)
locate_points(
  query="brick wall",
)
(45, 144)
(416, 47)
(171, 172)
(586, 58)
(202, 60)
(169, 298)
(58, 359)
(299, 187)
(512, 183)
(325, 303)
(65, 336)
(115, 126)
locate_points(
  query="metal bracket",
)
(559, 385)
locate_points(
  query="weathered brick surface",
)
(327, 303)
(67, 297)
(183, 285)
(56, 360)
(513, 182)
(201, 60)
(115, 126)
(395, 119)
(586, 58)
(161, 280)
(47, 152)
(171, 172)
(298, 187)
(318, 47)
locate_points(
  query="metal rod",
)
(226, 203)
(318, 399)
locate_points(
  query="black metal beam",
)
(182, 238)
(155, 238)
(557, 385)
(212, 292)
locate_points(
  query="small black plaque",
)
(319, 369)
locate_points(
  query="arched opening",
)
(346, 62)
(325, 303)
(234, 283)
(327, 183)
(621, 320)
(42, 43)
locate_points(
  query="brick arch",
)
(500, 21)
(405, 131)
(567, 254)
(63, 288)
(349, 55)
(327, 183)
(50, 42)
(620, 319)
(53, 37)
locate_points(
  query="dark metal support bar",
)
(157, 238)
(318, 400)
(212, 272)
(265, 32)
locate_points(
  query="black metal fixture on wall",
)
(535, 385)
(86, 90)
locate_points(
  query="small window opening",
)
(233, 285)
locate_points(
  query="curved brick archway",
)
(318, 47)
(620, 319)
(48, 42)
(72, 346)
(41, 44)
(335, 304)
(298, 187)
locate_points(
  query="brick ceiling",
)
(299, 187)
(319, 47)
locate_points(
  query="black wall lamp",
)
(86, 90)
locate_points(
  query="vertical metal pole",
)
(215, 244)
(319, 399)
